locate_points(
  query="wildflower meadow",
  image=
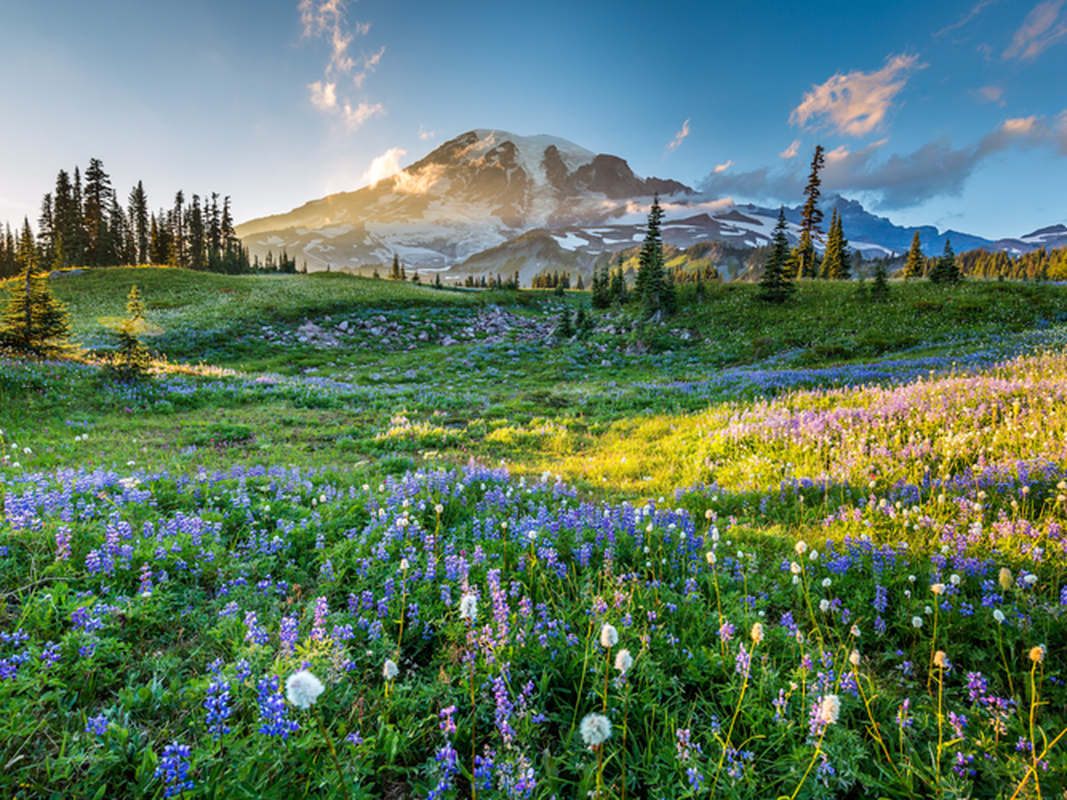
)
(609, 583)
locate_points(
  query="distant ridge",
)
(474, 199)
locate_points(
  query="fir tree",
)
(880, 284)
(915, 266)
(775, 285)
(651, 287)
(810, 219)
(99, 247)
(946, 270)
(600, 298)
(564, 330)
(132, 360)
(394, 274)
(836, 264)
(35, 323)
(138, 211)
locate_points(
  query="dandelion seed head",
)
(609, 637)
(998, 615)
(389, 669)
(468, 607)
(303, 689)
(757, 633)
(623, 661)
(938, 588)
(854, 658)
(916, 622)
(595, 729)
(1037, 654)
(829, 709)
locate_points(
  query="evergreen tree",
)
(46, 232)
(132, 359)
(395, 274)
(66, 219)
(915, 266)
(178, 257)
(836, 264)
(195, 235)
(880, 284)
(100, 249)
(652, 289)
(564, 330)
(946, 270)
(775, 285)
(810, 219)
(34, 323)
(601, 285)
(139, 227)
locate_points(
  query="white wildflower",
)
(468, 607)
(303, 689)
(609, 637)
(595, 729)
(829, 709)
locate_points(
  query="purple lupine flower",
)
(273, 711)
(743, 660)
(218, 708)
(255, 633)
(318, 626)
(63, 543)
(97, 725)
(288, 633)
(174, 769)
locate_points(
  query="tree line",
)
(83, 224)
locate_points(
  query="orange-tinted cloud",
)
(857, 103)
(1041, 29)
(678, 138)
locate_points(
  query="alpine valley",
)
(492, 202)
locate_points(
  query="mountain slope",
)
(497, 202)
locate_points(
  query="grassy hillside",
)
(828, 538)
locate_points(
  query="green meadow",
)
(749, 551)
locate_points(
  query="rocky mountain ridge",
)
(489, 201)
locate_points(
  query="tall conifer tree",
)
(34, 322)
(915, 266)
(810, 218)
(775, 285)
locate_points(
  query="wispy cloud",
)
(425, 134)
(1041, 29)
(791, 151)
(974, 12)
(1061, 133)
(857, 103)
(991, 94)
(678, 139)
(383, 166)
(325, 19)
(354, 117)
(898, 181)
(723, 167)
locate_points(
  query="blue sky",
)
(952, 113)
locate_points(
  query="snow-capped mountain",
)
(492, 201)
(472, 193)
